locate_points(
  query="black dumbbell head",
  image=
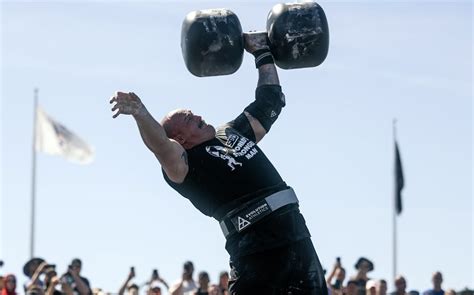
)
(299, 34)
(212, 42)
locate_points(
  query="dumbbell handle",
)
(255, 35)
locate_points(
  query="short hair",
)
(133, 286)
(203, 274)
(76, 261)
(188, 264)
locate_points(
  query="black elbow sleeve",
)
(269, 100)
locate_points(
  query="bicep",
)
(174, 160)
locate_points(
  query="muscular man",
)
(226, 175)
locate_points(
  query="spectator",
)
(185, 286)
(51, 280)
(382, 287)
(437, 280)
(32, 269)
(154, 289)
(131, 291)
(203, 288)
(363, 266)
(9, 285)
(371, 287)
(222, 288)
(413, 292)
(400, 286)
(339, 273)
(450, 292)
(157, 280)
(80, 284)
(351, 288)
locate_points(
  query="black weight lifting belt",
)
(253, 211)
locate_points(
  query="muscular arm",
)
(267, 75)
(170, 153)
(264, 111)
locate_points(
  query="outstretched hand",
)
(126, 103)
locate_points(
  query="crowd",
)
(42, 279)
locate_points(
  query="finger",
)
(114, 107)
(113, 99)
(116, 114)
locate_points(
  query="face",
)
(400, 284)
(224, 280)
(133, 291)
(351, 289)
(364, 267)
(190, 129)
(77, 266)
(437, 278)
(204, 280)
(10, 283)
(155, 291)
(382, 288)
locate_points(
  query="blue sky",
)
(333, 143)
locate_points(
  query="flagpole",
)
(394, 207)
(33, 178)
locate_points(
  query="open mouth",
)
(201, 124)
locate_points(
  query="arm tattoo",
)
(184, 156)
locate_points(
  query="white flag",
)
(55, 139)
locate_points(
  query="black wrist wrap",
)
(269, 100)
(262, 57)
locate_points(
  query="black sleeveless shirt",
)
(230, 170)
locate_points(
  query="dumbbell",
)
(212, 41)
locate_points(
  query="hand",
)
(55, 280)
(131, 274)
(255, 40)
(126, 103)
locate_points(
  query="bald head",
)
(187, 128)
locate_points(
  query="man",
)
(400, 286)
(226, 176)
(203, 287)
(186, 285)
(81, 284)
(363, 266)
(132, 289)
(381, 287)
(437, 280)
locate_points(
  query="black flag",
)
(399, 181)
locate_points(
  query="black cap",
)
(363, 259)
(26, 267)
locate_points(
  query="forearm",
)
(152, 133)
(268, 75)
(124, 286)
